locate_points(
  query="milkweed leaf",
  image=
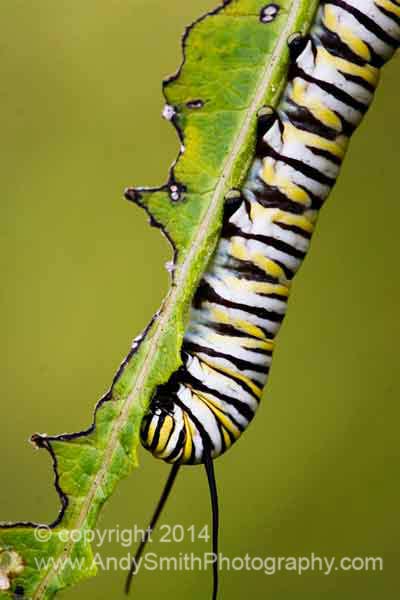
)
(235, 60)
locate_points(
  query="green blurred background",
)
(82, 273)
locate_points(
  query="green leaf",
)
(233, 64)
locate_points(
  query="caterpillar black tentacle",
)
(267, 227)
(161, 503)
(209, 467)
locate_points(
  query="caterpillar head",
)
(163, 427)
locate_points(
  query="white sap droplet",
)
(168, 112)
(170, 266)
(195, 104)
(174, 192)
(269, 13)
(4, 582)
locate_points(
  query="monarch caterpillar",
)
(267, 226)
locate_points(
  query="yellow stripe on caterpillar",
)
(238, 250)
(367, 72)
(151, 431)
(187, 451)
(336, 147)
(356, 44)
(240, 341)
(227, 439)
(219, 316)
(300, 221)
(165, 433)
(389, 6)
(219, 414)
(300, 96)
(233, 375)
(294, 192)
(257, 287)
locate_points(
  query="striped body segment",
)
(242, 298)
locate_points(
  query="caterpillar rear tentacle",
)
(209, 467)
(267, 226)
